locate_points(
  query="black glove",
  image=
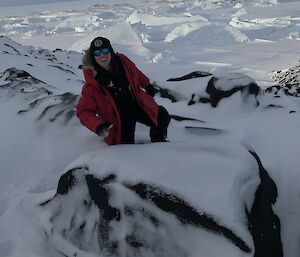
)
(103, 129)
(150, 90)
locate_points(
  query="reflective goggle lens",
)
(103, 50)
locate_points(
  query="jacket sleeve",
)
(87, 109)
(143, 79)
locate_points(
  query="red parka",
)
(96, 106)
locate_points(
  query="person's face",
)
(103, 57)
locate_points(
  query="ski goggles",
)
(100, 51)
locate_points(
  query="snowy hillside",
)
(228, 181)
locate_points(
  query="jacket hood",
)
(87, 63)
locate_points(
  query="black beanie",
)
(100, 43)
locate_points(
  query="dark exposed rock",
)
(192, 101)
(14, 49)
(220, 87)
(66, 182)
(62, 69)
(290, 76)
(264, 224)
(13, 74)
(287, 89)
(216, 94)
(21, 83)
(204, 130)
(184, 212)
(65, 105)
(202, 100)
(270, 106)
(181, 118)
(192, 75)
(165, 93)
(100, 196)
(288, 81)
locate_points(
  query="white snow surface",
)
(245, 40)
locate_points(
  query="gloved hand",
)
(103, 129)
(150, 90)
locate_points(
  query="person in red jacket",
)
(116, 95)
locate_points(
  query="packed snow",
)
(237, 46)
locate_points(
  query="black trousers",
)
(157, 133)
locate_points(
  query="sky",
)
(206, 162)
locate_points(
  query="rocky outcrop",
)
(109, 216)
(218, 88)
(38, 95)
(86, 212)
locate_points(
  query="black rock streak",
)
(192, 75)
(185, 213)
(264, 225)
(181, 118)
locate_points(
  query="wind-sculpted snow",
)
(112, 216)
